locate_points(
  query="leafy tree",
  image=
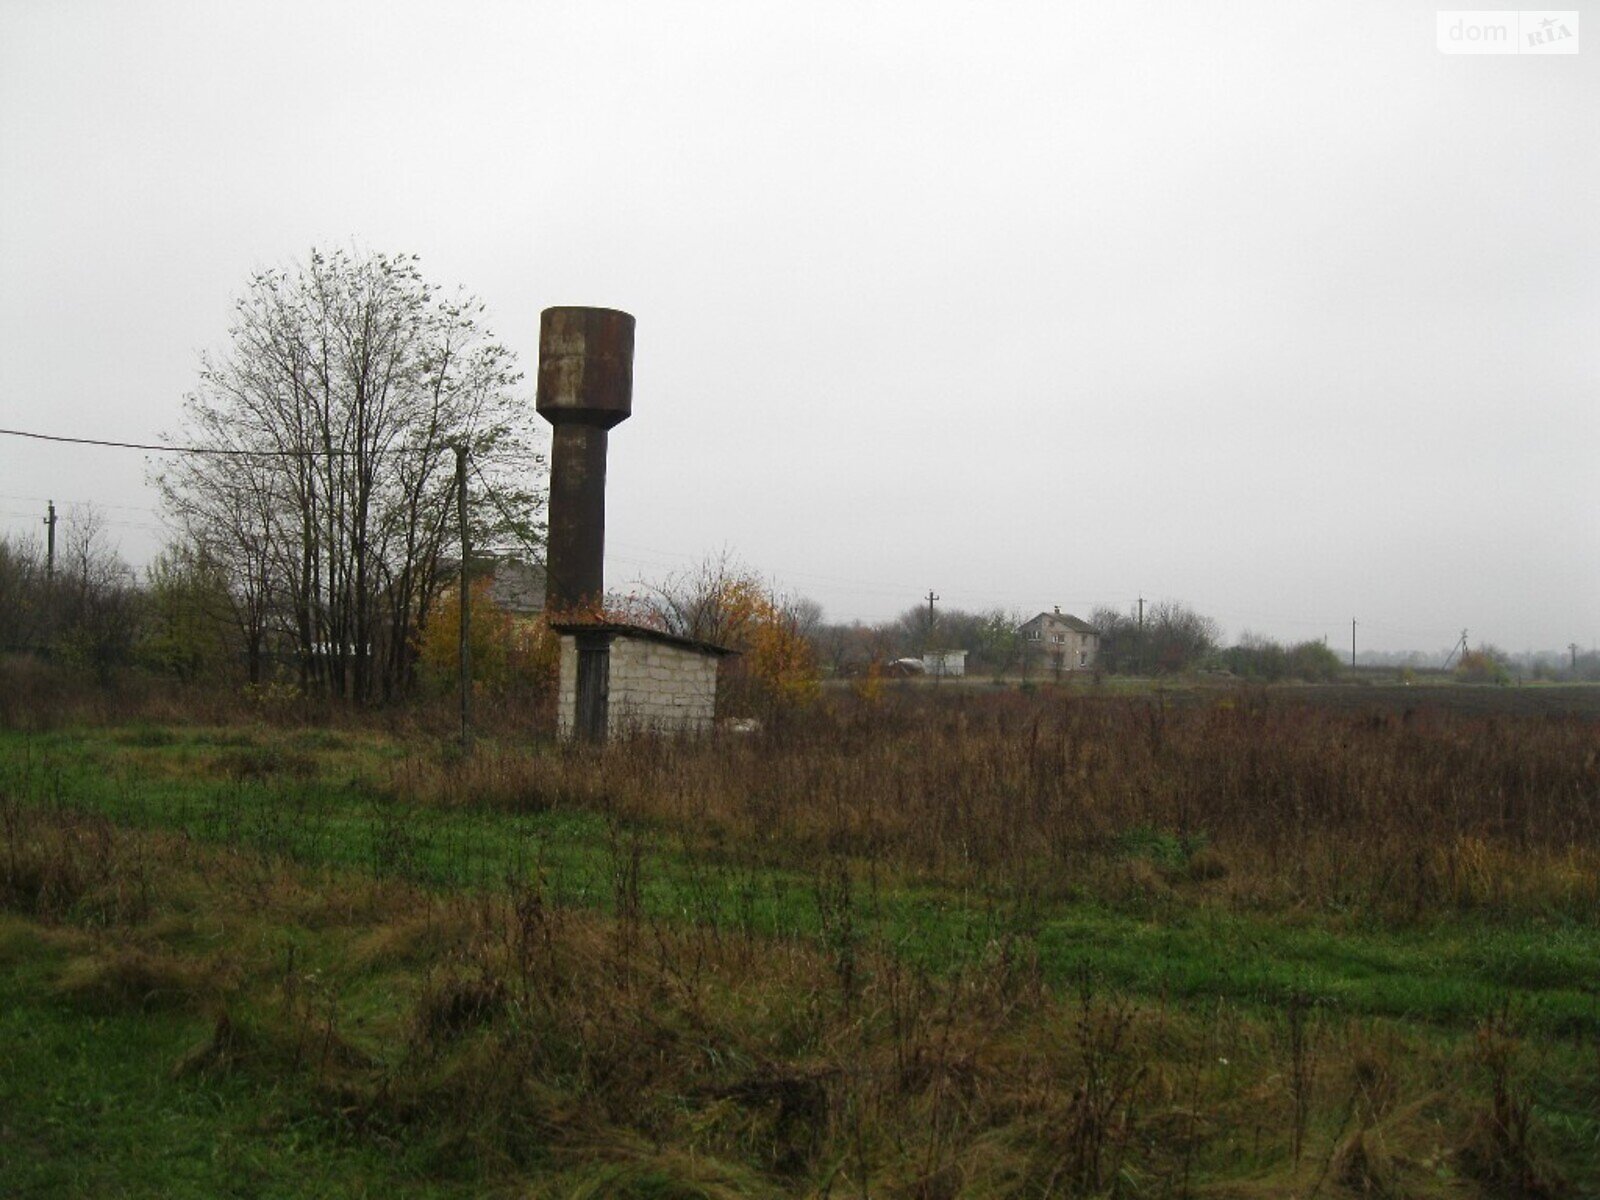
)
(346, 383)
(1256, 657)
(1486, 664)
(188, 615)
(1263, 659)
(1313, 662)
(778, 657)
(998, 640)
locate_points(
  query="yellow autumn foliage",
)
(506, 650)
(777, 666)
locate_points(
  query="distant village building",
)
(516, 587)
(1060, 642)
(619, 679)
(950, 664)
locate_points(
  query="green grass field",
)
(987, 945)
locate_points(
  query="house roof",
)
(1066, 619)
(517, 587)
(615, 629)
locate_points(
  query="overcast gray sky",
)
(1271, 308)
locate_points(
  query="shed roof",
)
(616, 629)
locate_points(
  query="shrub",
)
(1483, 666)
(508, 652)
(1313, 662)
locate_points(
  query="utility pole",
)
(1572, 648)
(465, 598)
(50, 545)
(1140, 643)
(927, 646)
(1352, 642)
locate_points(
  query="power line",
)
(851, 585)
(511, 525)
(148, 508)
(78, 441)
(223, 451)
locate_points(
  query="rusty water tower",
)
(614, 677)
(585, 388)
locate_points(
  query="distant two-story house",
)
(516, 587)
(1060, 642)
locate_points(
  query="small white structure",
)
(618, 679)
(948, 664)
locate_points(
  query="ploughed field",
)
(948, 942)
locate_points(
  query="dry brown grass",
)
(1250, 800)
(116, 977)
(562, 1052)
(566, 1053)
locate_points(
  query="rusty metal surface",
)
(576, 551)
(585, 388)
(585, 365)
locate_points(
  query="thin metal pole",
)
(465, 598)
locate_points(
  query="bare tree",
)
(1179, 636)
(708, 602)
(724, 602)
(233, 517)
(94, 600)
(346, 383)
(917, 629)
(807, 614)
(1172, 637)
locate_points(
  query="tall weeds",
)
(546, 1050)
(1252, 801)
